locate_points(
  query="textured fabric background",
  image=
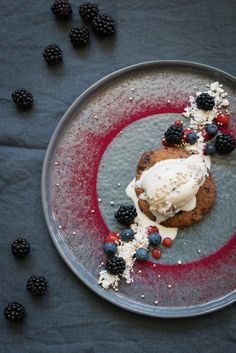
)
(70, 318)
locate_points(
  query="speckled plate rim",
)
(77, 268)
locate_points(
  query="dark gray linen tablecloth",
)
(71, 318)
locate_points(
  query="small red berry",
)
(205, 134)
(222, 120)
(112, 238)
(156, 253)
(187, 131)
(179, 122)
(164, 142)
(167, 242)
(152, 229)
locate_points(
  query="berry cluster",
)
(175, 135)
(155, 241)
(36, 285)
(102, 25)
(221, 143)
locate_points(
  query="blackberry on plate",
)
(14, 312)
(126, 214)
(61, 8)
(205, 102)
(20, 247)
(88, 11)
(103, 25)
(37, 285)
(53, 54)
(22, 98)
(79, 36)
(115, 265)
(224, 143)
(174, 135)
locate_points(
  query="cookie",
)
(205, 197)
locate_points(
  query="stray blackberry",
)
(174, 135)
(37, 285)
(20, 247)
(103, 25)
(224, 144)
(115, 265)
(61, 8)
(205, 102)
(88, 11)
(53, 54)
(14, 312)
(79, 36)
(22, 98)
(126, 214)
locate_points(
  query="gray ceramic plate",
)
(93, 154)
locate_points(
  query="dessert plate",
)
(92, 157)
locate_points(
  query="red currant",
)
(112, 238)
(187, 131)
(179, 122)
(164, 142)
(167, 242)
(205, 134)
(152, 229)
(222, 120)
(156, 253)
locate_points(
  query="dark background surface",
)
(70, 318)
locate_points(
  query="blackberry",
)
(79, 36)
(115, 265)
(22, 98)
(20, 247)
(53, 54)
(103, 25)
(174, 135)
(205, 102)
(37, 285)
(224, 144)
(14, 311)
(61, 8)
(126, 214)
(88, 11)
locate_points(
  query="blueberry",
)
(210, 149)
(110, 248)
(154, 239)
(127, 234)
(141, 254)
(192, 138)
(211, 129)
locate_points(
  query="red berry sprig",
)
(222, 119)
